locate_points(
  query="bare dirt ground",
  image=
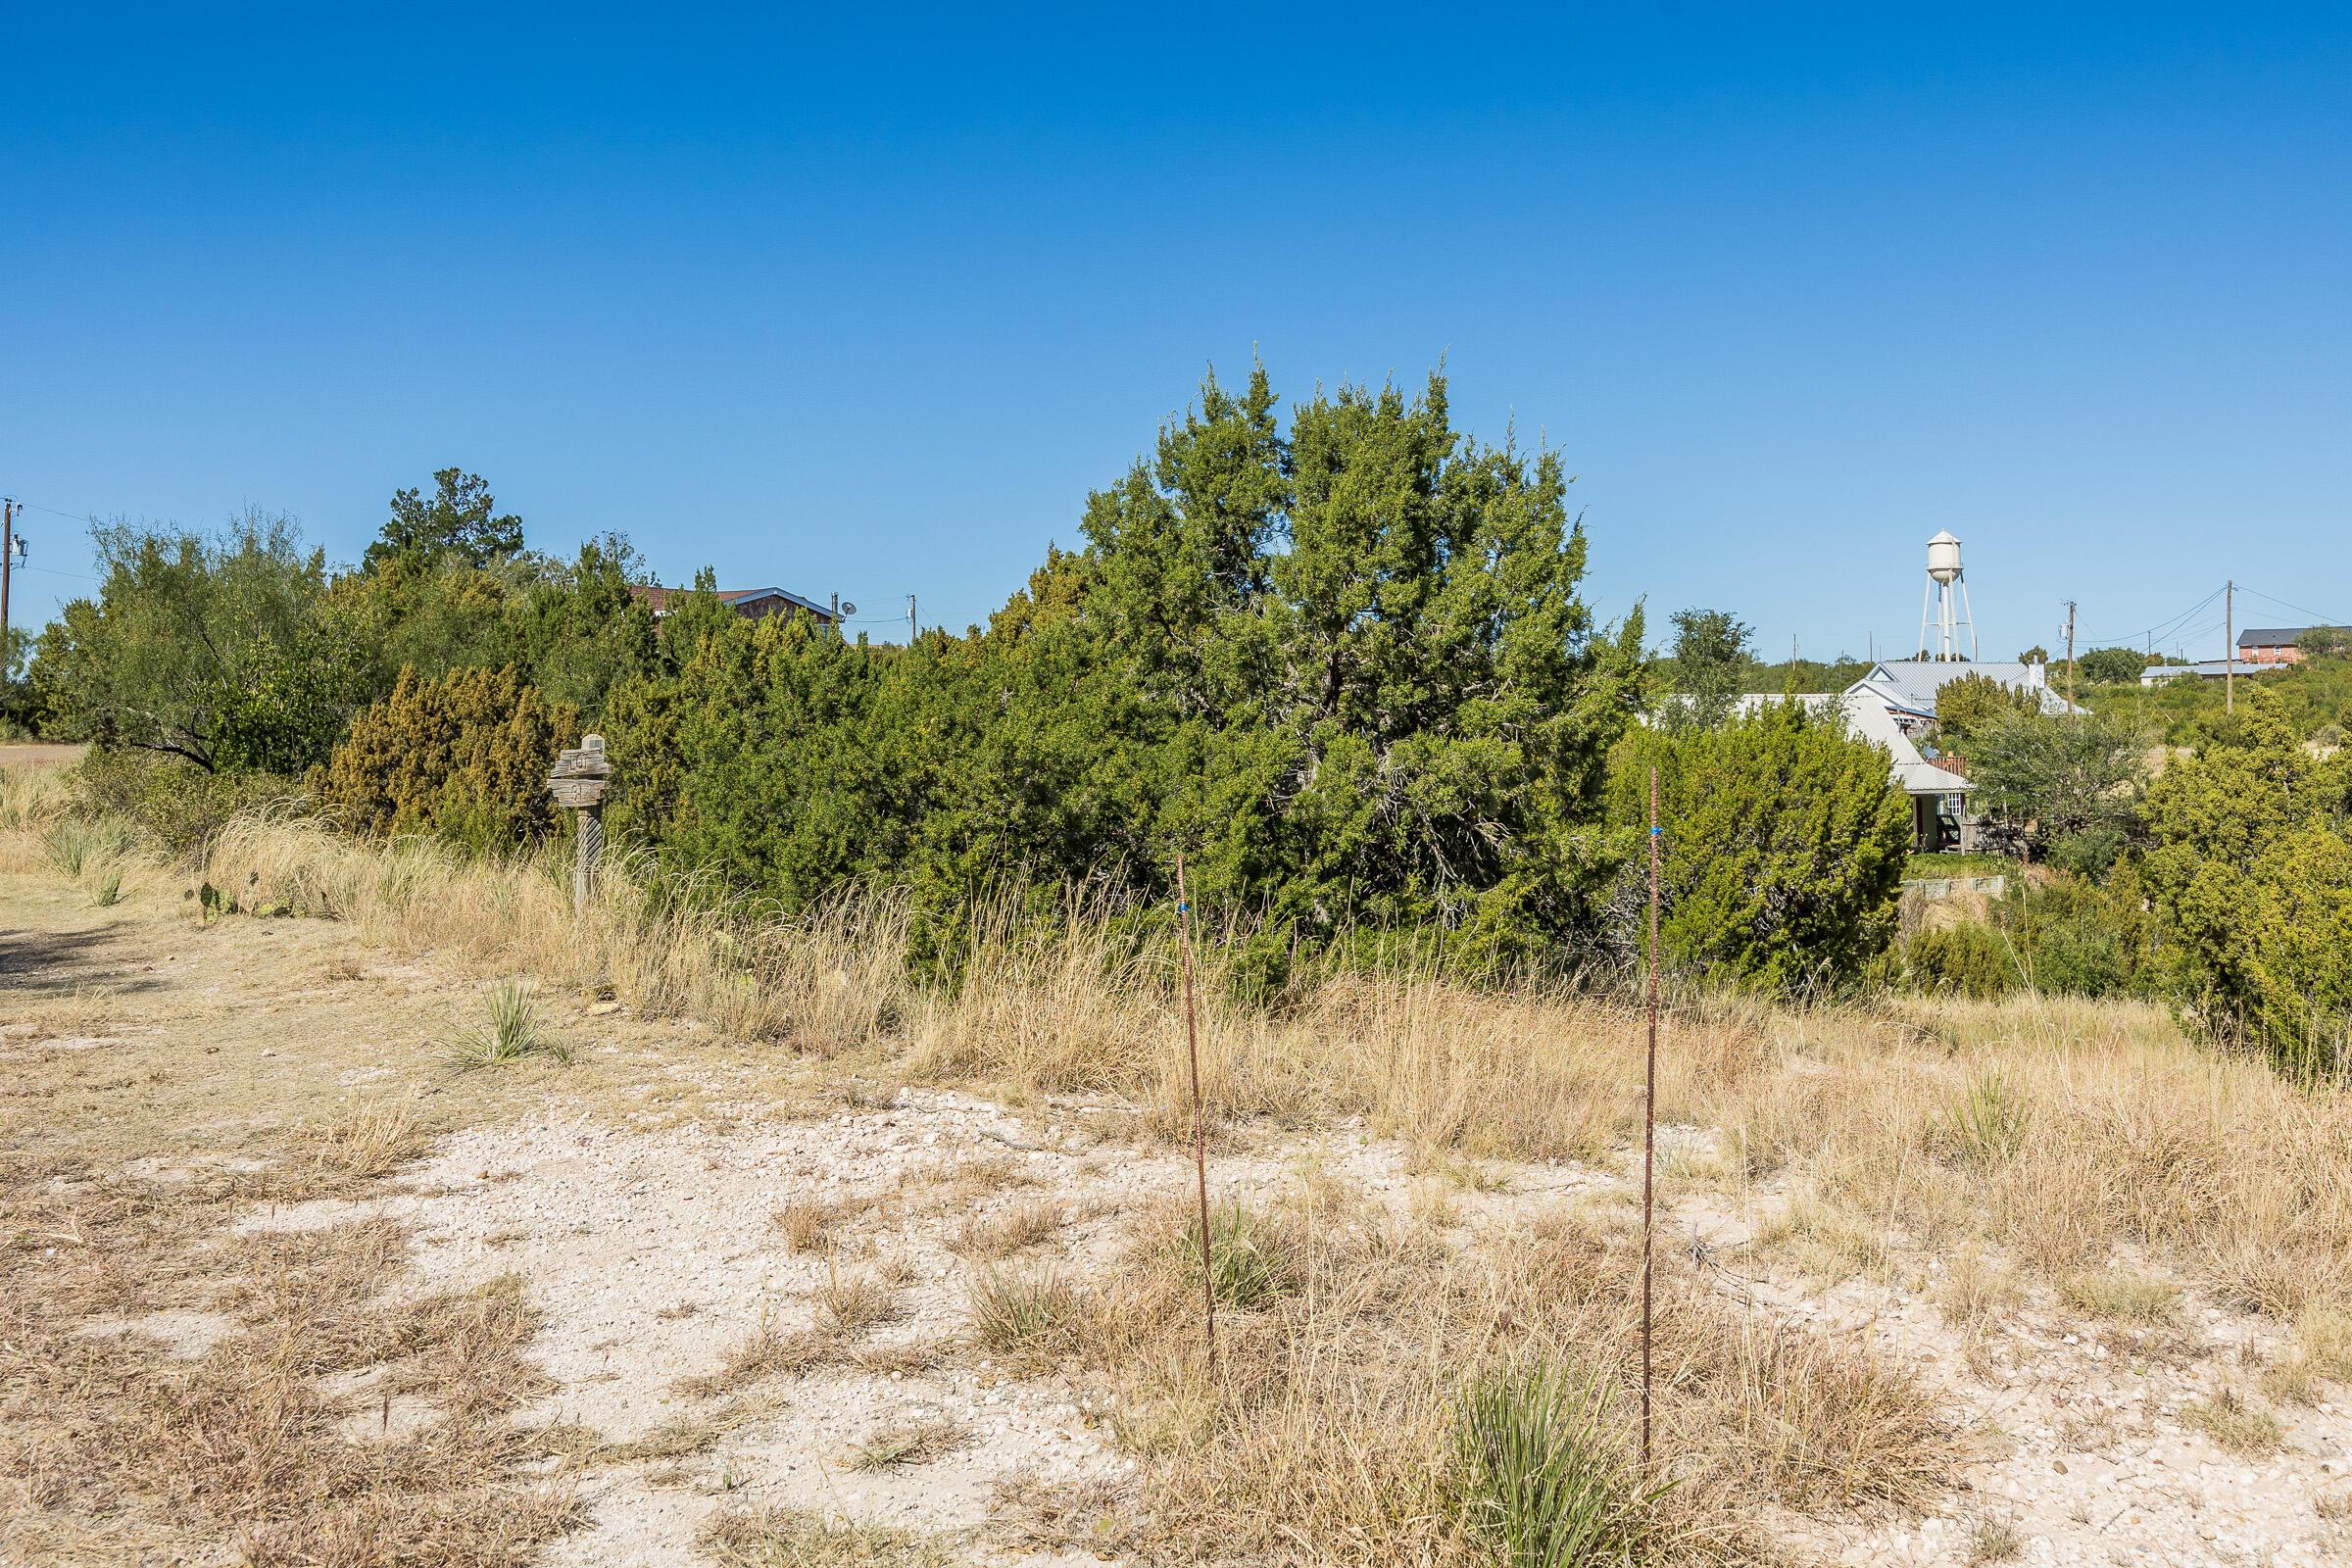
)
(695, 1280)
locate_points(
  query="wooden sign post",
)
(578, 785)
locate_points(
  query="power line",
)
(2300, 610)
(73, 516)
(2165, 629)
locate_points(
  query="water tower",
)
(1939, 618)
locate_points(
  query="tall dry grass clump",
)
(833, 979)
(32, 801)
(2065, 1131)
(1402, 1398)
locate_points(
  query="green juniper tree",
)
(460, 518)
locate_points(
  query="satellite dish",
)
(848, 608)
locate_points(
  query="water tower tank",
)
(1943, 557)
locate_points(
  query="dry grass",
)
(909, 1443)
(808, 1225)
(855, 1303)
(2058, 1132)
(1994, 1541)
(2083, 1148)
(770, 1352)
(787, 1538)
(1028, 1222)
(241, 1441)
(1096, 1516)
(2236, 1425)
(1977, 1292)
(1028, 1320)
(2123, 1295)
(365, 1144)
(1328, 1434)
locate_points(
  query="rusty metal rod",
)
(1649, 1113)
(1192, 1044)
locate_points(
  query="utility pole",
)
(2070, 658)
(2228, 645)
(8, 557)
(913, 627)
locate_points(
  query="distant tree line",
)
(1341, 660)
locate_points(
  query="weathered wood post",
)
(578, 785)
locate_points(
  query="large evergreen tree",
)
(1344, 667)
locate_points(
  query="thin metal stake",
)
(1191, 1046)
(1649, 1113)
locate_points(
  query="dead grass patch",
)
(1031, 1513)
(787, 1538)
(2236, 1425)
(1332, 1417)
(909, 1443)
(242, 1444)
(770, 1352)
(1028, 1222)
(855, 1303)
(807, 1224)
(366, 1144)
(2121, 1296)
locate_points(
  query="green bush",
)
(465, 757)
(1966, 703)
(206, 648)
(1783, 848)
(2067, 790)
(1966, 959)
(2252, 878)
(2080, 938)
(173, 805)
(1341, 660)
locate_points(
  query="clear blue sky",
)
(868, 308)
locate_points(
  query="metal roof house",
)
(1893, 707)
(752, 602)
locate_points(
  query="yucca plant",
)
(1544, 1484)
(510, 1029)
(1985, 1124)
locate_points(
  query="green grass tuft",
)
(1542, 1484)
(511, 1030)
(1984, 1125)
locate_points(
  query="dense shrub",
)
(175, 805)
(1968, 959)
(211, 650)
(465, 757)
(1785, 847)
(2077, 937)
(2252, 878)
